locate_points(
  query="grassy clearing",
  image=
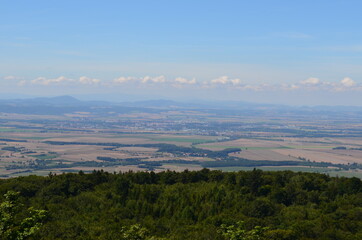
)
(346, 174)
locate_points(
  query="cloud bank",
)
(61, 81)
(226, 82)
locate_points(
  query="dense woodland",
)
(188, 205)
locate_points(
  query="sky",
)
(280, 51)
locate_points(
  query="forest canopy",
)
(191, 205)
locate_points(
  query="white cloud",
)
(146, 79)
(288, 87)
(62, 80)
(47, 81)
(259, 87)
(348, 82)
(220, 80)
(87, 80)
(293, 87)
(158, 79)
(10, 78)
(311, 81)
(235, 81)
(181, 80)
(309, 84)
(226, 80)
(123, 79)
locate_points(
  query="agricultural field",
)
(24, 151)
(159, 139)
(318, 150)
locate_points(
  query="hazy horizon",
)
(135, 99)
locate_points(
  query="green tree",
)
(238, 232)
(137, 232)
(13, 224)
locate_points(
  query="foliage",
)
(187, 205)
(11, 226)
(134, 232)
(137, 232)
(238, 232)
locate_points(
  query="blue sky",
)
(264, 51)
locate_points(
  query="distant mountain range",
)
(68, 104)
(69, 101)
(57, 101)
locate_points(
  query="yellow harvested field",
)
(349, 141)
(249, 143)
(325, 141)
(272, 155)
(137, 149)
(108, 169)
(104, 140)
(322, 155)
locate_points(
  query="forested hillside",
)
(191, 205)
